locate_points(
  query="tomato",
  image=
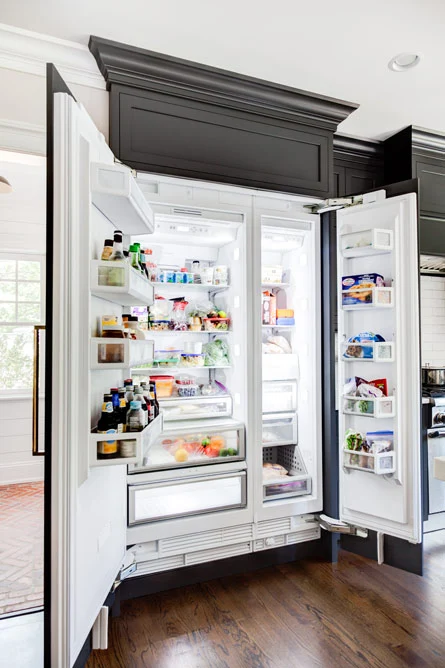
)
(192, 447)
(212, 452)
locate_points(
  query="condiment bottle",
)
(108, 249)
(107, 425)
(118, 248)
(135, 417)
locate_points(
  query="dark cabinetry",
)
(417, 153)
(173, 116)
(358, 166)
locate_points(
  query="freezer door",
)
(379, 479)
(85, 522)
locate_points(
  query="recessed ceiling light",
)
(403, 62)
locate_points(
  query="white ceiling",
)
(339, 48)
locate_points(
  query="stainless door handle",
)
(35, 392)
(440, 433)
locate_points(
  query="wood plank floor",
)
(302, 615)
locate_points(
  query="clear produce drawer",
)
(279, 396)
(150, 502)
(279, 429)
(196, 445)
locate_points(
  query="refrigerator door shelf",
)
(117, 195)
(120, 353)
(138, 443)
(383, 407)
(188, 496)
(193, 408)
(364, 243)
(280, 366)
(119, 283)
(367, 351)
(279, 429)
(367, 298)
(381, 463)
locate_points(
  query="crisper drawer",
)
(279, 396)
(194, 408)
(279, 429)
(205, 442)
(156, 501)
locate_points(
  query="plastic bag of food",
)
(281, 342)
(272, 349)
(216, 353)
(271, 471)
(354, 440)
(368, 390)
(350, 387)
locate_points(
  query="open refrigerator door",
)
(378, 366)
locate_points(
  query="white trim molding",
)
(26, 51)
(22, 137)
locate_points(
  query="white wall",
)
(432, 307)
(22, 216)
(23, 100)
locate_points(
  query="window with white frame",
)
(21, 307)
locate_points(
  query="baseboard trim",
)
(181, 577)
(21, 472)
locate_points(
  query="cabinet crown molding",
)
(29, 52)
(148, 70)
(353, 147)
(427, 140)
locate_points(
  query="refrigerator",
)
(237, 463)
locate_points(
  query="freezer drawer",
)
(199, 444)
(196, 495)
(194, 408)
(279, 429)
(279, 396)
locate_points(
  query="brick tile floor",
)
(21, 546)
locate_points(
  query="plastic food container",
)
(167, 358)
(164, 386)
(192, 359)
(216, 324)
(184, 380)
(158, 325)
(188, 390)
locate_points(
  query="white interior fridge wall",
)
(303, 295)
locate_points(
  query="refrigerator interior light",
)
(201, 232)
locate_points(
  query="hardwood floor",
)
(304, 614)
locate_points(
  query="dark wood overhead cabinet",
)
(172, 116)
(419, 153)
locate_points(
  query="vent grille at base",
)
(271, 527)
(218, 553)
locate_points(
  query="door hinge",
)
(128, 567)
(337, 526)
(334, 203)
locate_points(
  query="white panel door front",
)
(380, 437)
(88, 516)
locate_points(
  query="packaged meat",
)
(271, 471)
(269, 308)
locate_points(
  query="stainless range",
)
(436, 448)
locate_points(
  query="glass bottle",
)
(108, 249)
(135, 417)
(118, 248)
(138, 396)
(107, 425)
(155, 397)
(122, 408)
